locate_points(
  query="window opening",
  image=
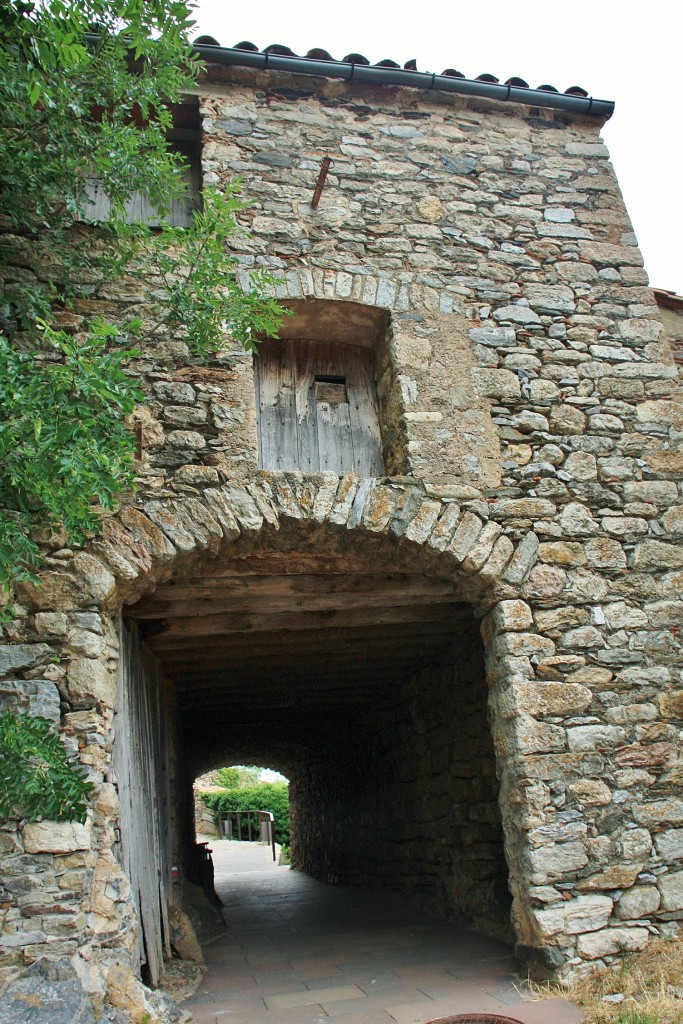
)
(185, 140)
(317, 408)
(331, 389)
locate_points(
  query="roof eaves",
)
(355, 68)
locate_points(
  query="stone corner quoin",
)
(532, 428)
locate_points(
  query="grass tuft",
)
(651, 983)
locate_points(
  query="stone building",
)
(423, 555)
(671, 311)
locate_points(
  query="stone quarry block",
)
(638, 902)
(512, 615)
(581, 914)
(48, 992)
(57, 836)
(21, 656)
(609, 941)
(595, 737)
(671, 889)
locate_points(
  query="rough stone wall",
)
(543, 435)
(406, 797)
(671, 312)
(204, 823)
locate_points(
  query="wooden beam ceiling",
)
(265, 635)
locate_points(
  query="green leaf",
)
(38, 778)
(70, 113)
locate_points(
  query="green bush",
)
(38, 779)
(267, 796)
(239, 776)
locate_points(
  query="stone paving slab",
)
(364, 1016)
(548, 1011)
(319, 995)
(299, 952)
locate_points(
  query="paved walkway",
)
(299, 952)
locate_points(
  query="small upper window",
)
(139, 209)
(183, 139)
(316, 394)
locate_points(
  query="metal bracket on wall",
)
(319, 185)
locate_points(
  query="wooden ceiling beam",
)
(192, 606)
(284, 593)
(251, 623)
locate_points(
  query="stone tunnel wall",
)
(543, 431)
(406, 798)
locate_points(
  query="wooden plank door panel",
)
(277, 407)
(138, 753)
(332, 424)
(323, 426)
(303, 356)
(364, 424)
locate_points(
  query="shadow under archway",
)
(354, 664)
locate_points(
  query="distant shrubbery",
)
(239, 776)
(266, 796)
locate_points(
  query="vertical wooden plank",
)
(122, 763)
(308, 456)
(257, 395)
(98, 206)
(365, 433)
(287, 441)
(265, 369)
(277, 408)
(334, 437)
(140, 752)
(332, 419)
(183, 208)
(149, 815)
(133, 211)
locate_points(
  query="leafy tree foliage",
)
(238, 776)
(80, 88)
(67, 440)
(267, 796)
(37, 777)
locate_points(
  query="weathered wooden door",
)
(141, 771)
(317, 408)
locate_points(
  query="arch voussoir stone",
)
(142, 542)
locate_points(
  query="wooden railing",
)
(234, 823)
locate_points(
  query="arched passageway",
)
(354, 665)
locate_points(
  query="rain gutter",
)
(372, 75)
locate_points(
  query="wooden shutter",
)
(317, 408)
(139, 210)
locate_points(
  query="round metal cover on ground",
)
(475, 1018)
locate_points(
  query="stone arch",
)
(147, 544)
(140, 545)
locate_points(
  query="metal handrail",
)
(266, 822)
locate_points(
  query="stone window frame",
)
(370, 327)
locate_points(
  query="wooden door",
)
(317, 408)
(140, 762)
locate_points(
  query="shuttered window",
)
(139, 210)
(317, 408)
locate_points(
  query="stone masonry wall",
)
(542, 419)
(407, 798)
